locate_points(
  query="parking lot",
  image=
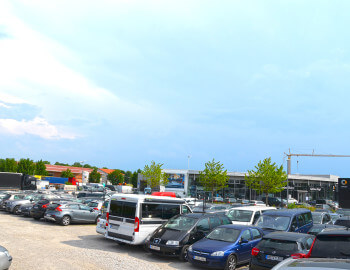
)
(44, 245)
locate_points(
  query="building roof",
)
(59, 168)
(107, 171)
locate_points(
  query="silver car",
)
(5, 258)
(313, 263)
(71, 212)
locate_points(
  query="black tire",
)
(65, 221)
(231, 262)
(15, 210)
(184, 253)
(36, 218)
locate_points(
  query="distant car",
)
(68, 213)
(38, 210)
(343, 212)
(246, 215)
(97, 205)
(331, 244)
(278, 246)
(24, 209)
(225, 247)
(230, 200)
(218, 199)
(313, 263)
(321, 218)
(5, 258)
(257, 203)
(317, 228)
(273, 201)
(10, 197)
(343, 221)
(209, 208)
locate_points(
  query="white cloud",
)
(38, 126)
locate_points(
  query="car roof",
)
(252, 207)
(315, 263)
(291, 236)
(286, 212)
(345, 231)
(136, 197)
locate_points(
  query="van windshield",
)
(273, 222)
(180, 223)
(240, 215)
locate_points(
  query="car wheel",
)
(184, 253)
(36, 218)
(65, 221)
(15, 210)
(231, 262)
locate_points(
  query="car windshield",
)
(273, 222)
(240, 215)
(317, 218)
(224, 234)
(180, 223)
(93, 204)
(340, 247)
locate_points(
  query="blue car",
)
(225, 247)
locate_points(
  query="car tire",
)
(15, 210)
(184, 253)
(65, 221)
(36, 218)
(231, 262)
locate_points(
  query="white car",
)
(246, 215)
(101, 225)
(257, 203)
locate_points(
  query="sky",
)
(118, 84)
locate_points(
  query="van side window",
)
(116, 208)
(307, 217)
(170, 210)
(301, 221)
(151, 210)
(203, 225)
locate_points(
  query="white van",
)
(132, 217)
(246, 215)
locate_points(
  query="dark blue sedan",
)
(225, 247)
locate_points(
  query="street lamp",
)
(82, 171)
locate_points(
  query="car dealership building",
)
(301, 187)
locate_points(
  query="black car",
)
(38, 210)
(273, 201)
(317, 228)
(175, 236)
(343, 221)
(331, 244)
(277, 246)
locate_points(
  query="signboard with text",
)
(344, 192)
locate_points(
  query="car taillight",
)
(255, 251)
(98, 220)
(58, 208)
(45, 205)
(96, 208)
(107, 216)
(137, 224)
(298, 255)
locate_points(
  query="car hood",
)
(208, 245)
(169, 234)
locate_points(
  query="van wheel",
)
(65, 221)
(184, 253)
(231, 262)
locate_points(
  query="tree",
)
(128, 176)
(87, 166)
(77, 164)
(94, 176)
(266, 178)
(8, 165)
(134, 179)
(67, 173)
(213, 177)
(154, 176)
(46, 162)
(40, 168)
(115, 177)
(61, 164)
(26, 166)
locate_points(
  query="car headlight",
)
(7, 253)
(218, 253)
(190, 248)
(172, 243)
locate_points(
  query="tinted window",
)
(116, 208)
(129, 210)
(256, 234)
(342, 222)
(282, 245)
(203, 225)
(246, 235)
(301, 220)
(225, 220)
(214, 222)
(181, 223)
(307, 217)
(170, 211)
(151, 210)
(340, 247)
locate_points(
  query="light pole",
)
(82, 171)
(188, 161)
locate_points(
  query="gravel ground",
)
(43, 245)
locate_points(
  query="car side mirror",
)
(293, 228)
(244, 241)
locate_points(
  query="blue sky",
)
(121, 83)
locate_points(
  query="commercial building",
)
(300, 187)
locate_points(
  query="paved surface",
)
(43, 245)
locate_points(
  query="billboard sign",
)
(176, 180)
(344, 192)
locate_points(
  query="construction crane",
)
(289, 162)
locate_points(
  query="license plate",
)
(199, 258)
(154, 247)
(274, 258)
(115, 227)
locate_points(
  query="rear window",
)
(281, 245)
(340, 247)
(93, 204)
(161, 211)
(123, 209)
